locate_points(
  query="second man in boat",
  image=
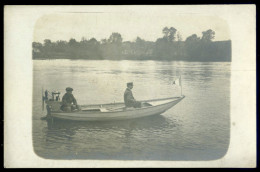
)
(129, 98)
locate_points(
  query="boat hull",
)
(119, 114)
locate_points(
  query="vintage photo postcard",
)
(130, 86)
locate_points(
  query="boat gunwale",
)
(139, 101)
(135, 109)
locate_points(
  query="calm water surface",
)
(198, 128)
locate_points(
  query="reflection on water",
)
(62, 133)
(195, 129)
(154, 122)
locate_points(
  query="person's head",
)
(130, 85)
(69, 90)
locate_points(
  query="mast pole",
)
(181, 85)
(42, 100)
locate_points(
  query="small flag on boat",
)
(177, 82)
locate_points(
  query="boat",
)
(111, 111)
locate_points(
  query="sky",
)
(147, 25)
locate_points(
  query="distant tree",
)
(139, 46)
(47, 42)
(193, 38)
(61, 42)
(104, 41)
(60, 46)
(169, 33)
(72, 42)
(162, 48)
(172, 34)
(165, 32)
(139, 40)
(179, 37)
(208, 35)
(113, 49)
(168, 47)
(93, 41)
(193, 50)
(115, 38)
(83, 39)
(36, 45)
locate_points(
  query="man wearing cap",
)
(129, 98)
(67, 101)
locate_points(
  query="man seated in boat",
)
(69, 103)
(129, 98)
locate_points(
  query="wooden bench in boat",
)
(108, 109)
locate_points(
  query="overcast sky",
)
(147, 25)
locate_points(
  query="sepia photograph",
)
(132, 83)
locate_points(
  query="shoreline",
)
(123, 60)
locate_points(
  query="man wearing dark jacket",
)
(69, 102)
(129, 98)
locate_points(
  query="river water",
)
(197, 128)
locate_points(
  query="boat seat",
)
(145, 104)
(103, 110)
(129, 108)
(91, 109)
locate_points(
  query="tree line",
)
(169, 47)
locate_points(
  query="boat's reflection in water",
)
(155, 121)
(102, 139)
(66, 129)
